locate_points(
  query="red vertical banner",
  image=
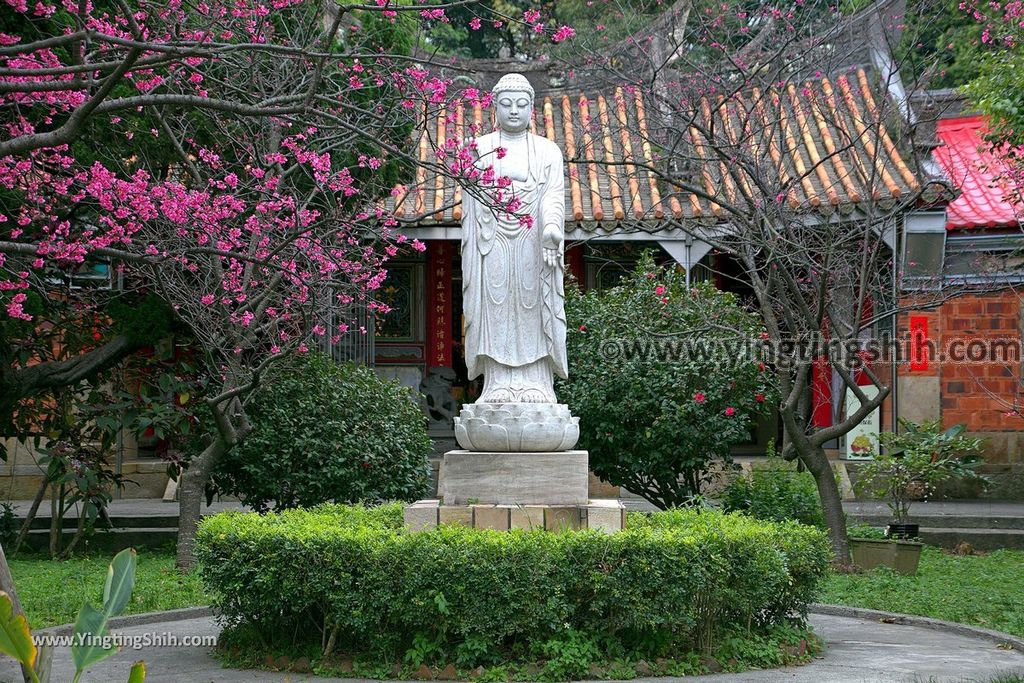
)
(821, 393)
(574, 263)
(918, 342)
(864, 335)
(439, 303)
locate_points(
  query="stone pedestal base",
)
(514, 478)
(608, 516)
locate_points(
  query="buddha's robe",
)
(514, 303)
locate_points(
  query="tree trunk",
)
(31, 516)
(56, 519)
(79, 532)
(831, 504)
(191, 492)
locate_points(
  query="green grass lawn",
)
(982, 590)
(52, 592)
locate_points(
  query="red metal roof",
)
(973, 168)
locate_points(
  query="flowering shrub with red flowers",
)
(665, 379)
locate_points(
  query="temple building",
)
(853, 141)
(615, 209)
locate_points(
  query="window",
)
(91, 274)
(977, 258)
(400, 292)
(924, 248)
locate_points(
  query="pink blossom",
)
(730, 411)
(563, 33)
(699, 397)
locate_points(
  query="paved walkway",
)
(859, 651)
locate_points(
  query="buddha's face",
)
(514, 111)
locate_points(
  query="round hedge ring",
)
(354, 580)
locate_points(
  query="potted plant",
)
(871, 548)
(909, 468)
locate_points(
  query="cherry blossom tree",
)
(230, 157)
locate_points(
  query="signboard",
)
(439, 303)
(918, 343)
(862, 440)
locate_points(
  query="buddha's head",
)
(512, 96)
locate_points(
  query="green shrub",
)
(865, 531)
(667, 584)
(664, 381)
(327, 432)
(775, 491)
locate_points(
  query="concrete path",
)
(859, 651)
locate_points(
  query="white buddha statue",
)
(513, 291)
(513, 296)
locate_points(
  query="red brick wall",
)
(976, 393)
(980, 394)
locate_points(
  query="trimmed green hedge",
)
(670, 582)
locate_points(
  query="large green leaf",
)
(120, 582)
(954, 431)
(15, 638)
(90, 631)
(138, 673)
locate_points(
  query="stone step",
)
(110, 540)
(118, 521)
(948, 521)
(980, 539)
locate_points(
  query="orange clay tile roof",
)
(825, 139)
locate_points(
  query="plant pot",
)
(902, 556)
(901, 531)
